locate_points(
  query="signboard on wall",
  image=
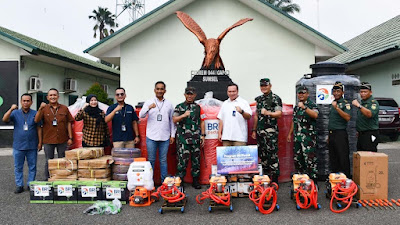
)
(8, 87)
(324, 94)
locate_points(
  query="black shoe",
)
(196, 183)
(19, 189)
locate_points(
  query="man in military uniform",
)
(265, 129)
(338, 139)
(190, 134)
(305, 134)
(367, 119)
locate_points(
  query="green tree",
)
(104, 19)
(285, 5)
(102, 96)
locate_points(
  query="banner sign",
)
(237, 159)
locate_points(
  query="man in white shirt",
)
(233, 116)
(160, 131)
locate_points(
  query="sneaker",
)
(19, 189)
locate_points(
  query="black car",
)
(389, 122)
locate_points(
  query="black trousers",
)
(339, 152)
(368, 140)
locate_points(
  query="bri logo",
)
(322, 94)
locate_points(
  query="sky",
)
(65, 23)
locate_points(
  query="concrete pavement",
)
(16, 209)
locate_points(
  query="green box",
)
(65, 192)
(89, 191)
(41, 192)
(115, 189)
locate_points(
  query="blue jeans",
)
(152, 152)
(19, 160)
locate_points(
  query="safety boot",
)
(196, 183)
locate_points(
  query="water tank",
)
(319, 84)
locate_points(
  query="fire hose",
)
(310, 198)
(340, 190)
(170, 194)
(267, 194)
(210, 193)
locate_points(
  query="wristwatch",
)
(138, 136)
(203, 135)
(359, 106)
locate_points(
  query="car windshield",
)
(388, 102)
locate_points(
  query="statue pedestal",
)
(210, 80)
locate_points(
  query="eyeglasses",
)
(120, 94)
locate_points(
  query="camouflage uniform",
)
(188, 138)
(267, 133)
(305, 140)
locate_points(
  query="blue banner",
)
(237, 159)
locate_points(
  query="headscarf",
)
(94, 112)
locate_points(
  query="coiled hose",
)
(267, 194)
(310, 198)
(343, 194)
(210, 193)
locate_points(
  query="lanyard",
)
(55, 114)
(123, 115)
(23, 114)
(159, 108)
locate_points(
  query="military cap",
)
(302, 89)
(264, 82)
(365, 85)
(190, 90)
(338, 85)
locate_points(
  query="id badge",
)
(55, 122)
(233, 113)
(159, 117)
(123, 127)
(25, 126)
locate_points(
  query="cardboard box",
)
(62, 164)
(99, 163)
(115, 189)
(41, 192)
(84, 153)
(65, 192)
(89, 191)
(232, 188)
(370, 172)
(95, 173)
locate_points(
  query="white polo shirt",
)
(234, 124)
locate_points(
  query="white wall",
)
(53, 77)
(261, 48)
(380, 77)
(8, 52)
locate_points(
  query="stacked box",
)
(89, 191)
(65, 192)
(62, 169)
(123, 157)
(41, 192)
(95, 169)
(115, 189)
(84, 153)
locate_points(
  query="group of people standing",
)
(51, 126)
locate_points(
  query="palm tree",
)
(103, 18)
(285, 5)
